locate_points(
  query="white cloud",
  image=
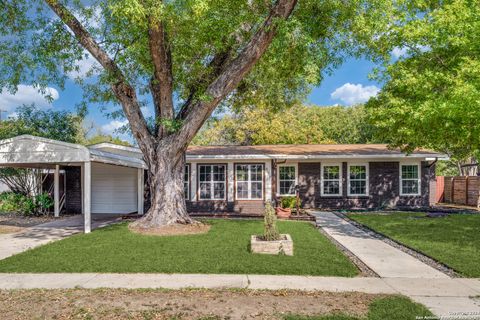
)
(27, 94)
(84, 66)
(354, 93)
(112, 126)
(398, 52)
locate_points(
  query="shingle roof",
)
(303, 150)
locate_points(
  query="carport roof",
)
(27, 150)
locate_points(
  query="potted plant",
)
(286, 206)
(271, 242)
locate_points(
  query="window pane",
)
(256, 172)
(205, 190)
(287, 187)
(410, 186)
(358, 172)
(219, 190)
(242, 173)
(257, 190)
(331, 187)
(287, 173)
(205, 173)
(358, 187)
(409, 172)
(242, 190)
(331, 172)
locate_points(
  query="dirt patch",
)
(10, 219)
(10, 229)
(177, 304)
(174, 230)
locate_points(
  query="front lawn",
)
(224, 249)
(453, 240)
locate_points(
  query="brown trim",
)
(189, 165)
(235, 181)
(226, 180)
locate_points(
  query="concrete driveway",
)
(13, 243)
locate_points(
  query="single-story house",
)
(108, 178)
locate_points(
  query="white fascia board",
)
(314, 157)
(112, 158)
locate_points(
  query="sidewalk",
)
(441, 296)
(383, 259)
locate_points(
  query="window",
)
(249, 181)
(409, 179)
(186, 182)
(212, 182)
(358, 180)
(331, 180)
(287, 179)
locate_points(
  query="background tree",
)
(58, 125)
(431, 96)
(201, 52)
(295, 125)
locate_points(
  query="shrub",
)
(11, 202)
(289, 202)
(270, 232)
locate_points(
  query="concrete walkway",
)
(13, 243)
(443, 296)
(382, 258)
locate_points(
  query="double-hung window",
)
(357, 180)
(186, 182)
(249, 181)
(409, 179)
(287, 179)
(331, 180)
(212, 182)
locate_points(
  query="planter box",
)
(285, 245)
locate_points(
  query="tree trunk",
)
(165, 177)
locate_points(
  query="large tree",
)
(294, 125)
(432, 93)
(185, 58)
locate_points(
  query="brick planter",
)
(284, 246)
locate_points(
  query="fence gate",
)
(463, 190)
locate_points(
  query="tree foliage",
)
(431, 97)
(296, 125)
(52, 124)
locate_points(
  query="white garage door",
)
(114, 189)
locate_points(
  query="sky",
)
(348, 85)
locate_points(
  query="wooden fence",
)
(463, 190)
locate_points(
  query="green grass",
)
(453, 240)
(224, 249)
(391, 308)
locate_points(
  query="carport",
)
(106, 182)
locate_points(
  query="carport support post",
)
(140, 184)
(56, 191)
(87, 194)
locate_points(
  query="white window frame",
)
(295, 165)
(419, 178)
(187, 182)
(212, 182)
(249, 181)
(322, 180)
(367, 180)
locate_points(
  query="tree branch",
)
(198, 112)
(123, 91)
(161, 84)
